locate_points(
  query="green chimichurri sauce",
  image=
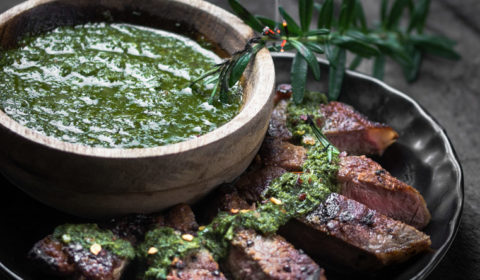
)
(289, 196)
(87, 235)
(111, 85)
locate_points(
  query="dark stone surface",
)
(449, 90)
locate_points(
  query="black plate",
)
(422, 157)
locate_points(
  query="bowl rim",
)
(247, 114)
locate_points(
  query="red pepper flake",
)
(299, 180)
(310, 180)
(302, 196)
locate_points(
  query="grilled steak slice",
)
(131, 227)
(343, 232)
(278, 122)
(49, 255)
(198, 265)
(103, 266)
(365, 181)
(275, 152)
(253, 256)
(251, 184)
(76, 262)
(182, 218)
(352, 132)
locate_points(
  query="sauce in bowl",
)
(112, 85)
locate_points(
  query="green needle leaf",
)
(396, 13)
(239, 67)
(241, 63)
(354, 45)
(309, 57)
(419, 16)
(314, 47)
(336, 73)
(293, 27)
(305, 9)
(267, 22)
(245, 15)
(359, 15)
(411, 73)
(383, 12)
(435, 45)
(346, 14)
(325, 17)
(379, 67)
(316, 32)
(298, 75)
(355, 62)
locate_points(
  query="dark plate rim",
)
(450, 153)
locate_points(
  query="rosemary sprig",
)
(327, 146)
(335, 35)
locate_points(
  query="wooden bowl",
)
(102, 182)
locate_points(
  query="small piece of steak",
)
(365, 181)
(275, 152)
(253, 256)
(277, 127)
(350, 131)
(103, 266)
(251, 184)
(48, 254)
(344, 233)
(182, 218)
(197, 265)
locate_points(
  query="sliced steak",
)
(278, 122)
(198, 265)
(251, 184)
(347, 234)
(253, 256)
(352, 132)
(131, 227)
(103, 266)
(182, 218)
(365, 181)
(275, 152)
(76, 262)
(48, 254)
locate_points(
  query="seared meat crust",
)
(365, 181)
(198, 265)
(350, 131)
(278, 122)
(48, 254)
(253, 256)
(275, 152)
(347, 234)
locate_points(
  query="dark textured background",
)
(449, 90)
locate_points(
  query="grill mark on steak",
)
(350, 131)
(253, 256)
(347, 234)
(365, 181)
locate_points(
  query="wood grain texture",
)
(98, 182)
